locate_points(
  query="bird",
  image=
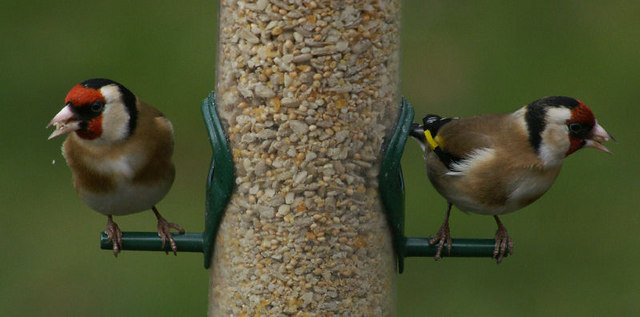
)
(119, 150)
(494, 164)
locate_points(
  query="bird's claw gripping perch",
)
(443, 236)
(114, 235)
(164, 231)
(503, 242)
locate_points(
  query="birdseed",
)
(307, 91)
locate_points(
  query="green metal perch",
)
(149, 241)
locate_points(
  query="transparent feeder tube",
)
(306, 91)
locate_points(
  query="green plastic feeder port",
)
(221, 181)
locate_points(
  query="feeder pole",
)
(306, 91)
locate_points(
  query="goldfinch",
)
(119, 152)
(494, 164)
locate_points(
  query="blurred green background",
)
(576, 248)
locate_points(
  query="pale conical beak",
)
(64, 123)
(598, 136)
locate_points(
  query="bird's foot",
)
(164, 231)
(443, 236)
(503, 243)
(114, 235)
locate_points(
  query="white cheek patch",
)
(115, 123)
(115, 117)
(554, 146)
(555, 137)
(558, 115)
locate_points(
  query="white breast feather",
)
(530, 186)
(124, 166)
(127, 198)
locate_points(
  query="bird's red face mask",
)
(82, 113)
(584, 130)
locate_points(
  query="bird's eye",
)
(579, 130)
(575, 127)
(97, 106)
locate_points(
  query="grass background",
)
(576, 248)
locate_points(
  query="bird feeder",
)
(305, 198)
